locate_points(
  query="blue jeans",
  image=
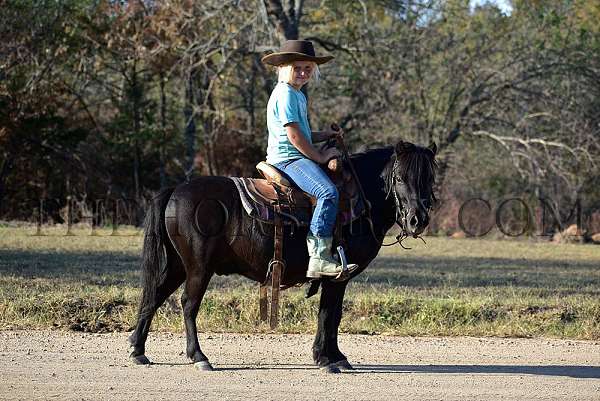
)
(307, 175)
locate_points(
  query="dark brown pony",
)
(200, 228)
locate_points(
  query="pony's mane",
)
(418, 164)
(414, 161)
(370, 163)
(371, 152)
(415, 165)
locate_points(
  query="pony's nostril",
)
(414, 221)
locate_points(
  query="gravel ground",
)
(75, 366)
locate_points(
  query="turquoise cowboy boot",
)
(321, 262)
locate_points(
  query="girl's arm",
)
(306, 148)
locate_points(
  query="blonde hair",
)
(286, 71)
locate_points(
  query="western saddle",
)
(293, 206)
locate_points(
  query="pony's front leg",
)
(326, 353)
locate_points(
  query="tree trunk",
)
(136, 93)
(250, 104)
(285, 16)
(205, 100)
(4, 169)
(163, 123)
(190, 125)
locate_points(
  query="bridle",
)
(401, 212)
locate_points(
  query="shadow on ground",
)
(464, 272)
(114, 268)
(106, 268)
(578, 372)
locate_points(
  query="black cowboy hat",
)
(295, 50)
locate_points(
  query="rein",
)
(400, 211)
(346, 156)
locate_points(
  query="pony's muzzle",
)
(416, 222)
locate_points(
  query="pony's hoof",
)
(204, 366)
(344, 365)
(331, 368)
(140, 360)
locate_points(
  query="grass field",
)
(446, 287)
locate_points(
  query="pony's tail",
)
(153, 252)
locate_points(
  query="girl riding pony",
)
(291, 150)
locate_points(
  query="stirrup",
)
(346, 268)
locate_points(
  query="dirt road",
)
(60, 365)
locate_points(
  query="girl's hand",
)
(336, 131)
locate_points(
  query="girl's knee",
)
(330, 192)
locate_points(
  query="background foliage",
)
(104, 100)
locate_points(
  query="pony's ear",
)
(402, 146)
(432, 147)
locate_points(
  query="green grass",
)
(446, 287)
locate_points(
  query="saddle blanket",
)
(298, 215)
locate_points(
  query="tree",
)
(35, 136)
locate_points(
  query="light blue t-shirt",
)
(286, 105)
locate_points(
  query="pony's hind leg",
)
(175, 275)
(195, 287)
(195, 251)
